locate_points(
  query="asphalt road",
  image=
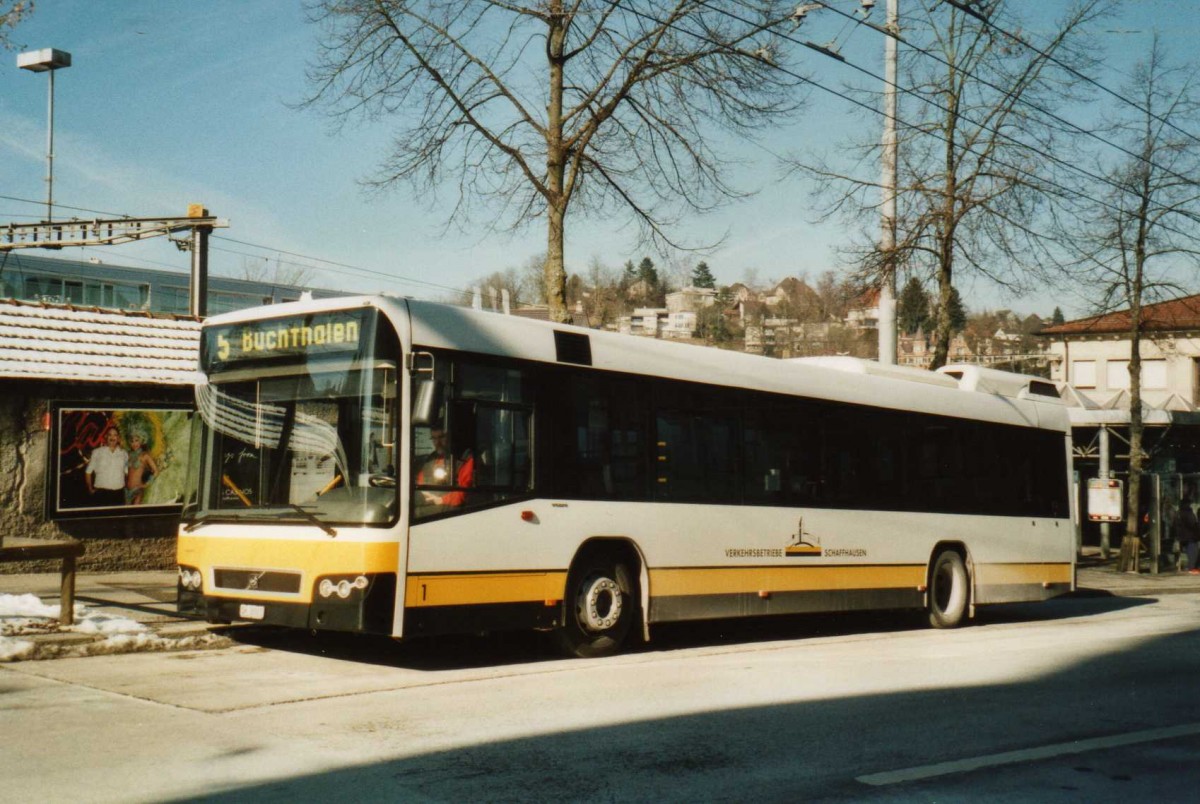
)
(1074, 700)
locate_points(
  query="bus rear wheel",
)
(949, 589)
(600, 609)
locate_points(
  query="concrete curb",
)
(147, 598)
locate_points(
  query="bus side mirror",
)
(427, 401)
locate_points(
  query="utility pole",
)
(198, 286)
(887, 242)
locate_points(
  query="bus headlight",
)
(342, 587)
(190, 579)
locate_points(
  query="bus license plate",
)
(250, 611)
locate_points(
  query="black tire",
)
(949, 590)
(600, 608)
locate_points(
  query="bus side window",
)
(767, 452)
(599, 442)
(485, 426)
(696, 456)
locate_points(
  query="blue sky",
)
(171, 102)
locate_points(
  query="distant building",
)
(645, 321)
(679, 325)
(864, 314)
(1092, 354)
(914, 350)
(690, 300)
(791, 291)
(81, 283)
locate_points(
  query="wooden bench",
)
(21, 549)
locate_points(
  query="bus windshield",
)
(298, 438)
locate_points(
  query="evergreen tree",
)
(912, 308)
(958, 313)
(702, 277)
(647, 272)
(1057, 318)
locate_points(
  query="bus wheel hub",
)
(600, 604)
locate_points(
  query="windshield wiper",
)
(313, 518)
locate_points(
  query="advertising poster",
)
(118, 461)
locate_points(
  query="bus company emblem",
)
(801, 547)
(252, 583)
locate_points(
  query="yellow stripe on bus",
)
(1007, 574)
(808, 578)
(740, 580)
(462, 590)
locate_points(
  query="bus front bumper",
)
(365, 610)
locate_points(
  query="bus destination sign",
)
(316, 334)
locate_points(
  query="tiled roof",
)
(64, 342)
(1169, 316)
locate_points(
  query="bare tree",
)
(1145, 227)
(11, 13)
(536, 109)
(533, 284)
(979, 147)
(278, 271)
(605, 302)
(494, 285)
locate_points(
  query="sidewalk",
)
(1097, 576)
(135, 611)
(121, 612)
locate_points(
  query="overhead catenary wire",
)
(335, 264)
(966, 9)
(930, 102)
(1046, 184)
(406, 280)
(1049, 186)
(66, 206)
(1023, 101)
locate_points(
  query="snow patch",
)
(14, 650)
(105, 624)
(26, 606)
(26, 615)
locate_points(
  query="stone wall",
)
(111, 543)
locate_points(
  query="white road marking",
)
(1029, 755)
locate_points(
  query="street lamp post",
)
(47, 60)
(888, 330)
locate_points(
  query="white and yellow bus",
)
(399, 467)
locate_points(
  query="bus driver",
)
(436, 471)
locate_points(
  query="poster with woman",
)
(118, 461)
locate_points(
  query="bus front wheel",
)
(600, 608)
(948, 590)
